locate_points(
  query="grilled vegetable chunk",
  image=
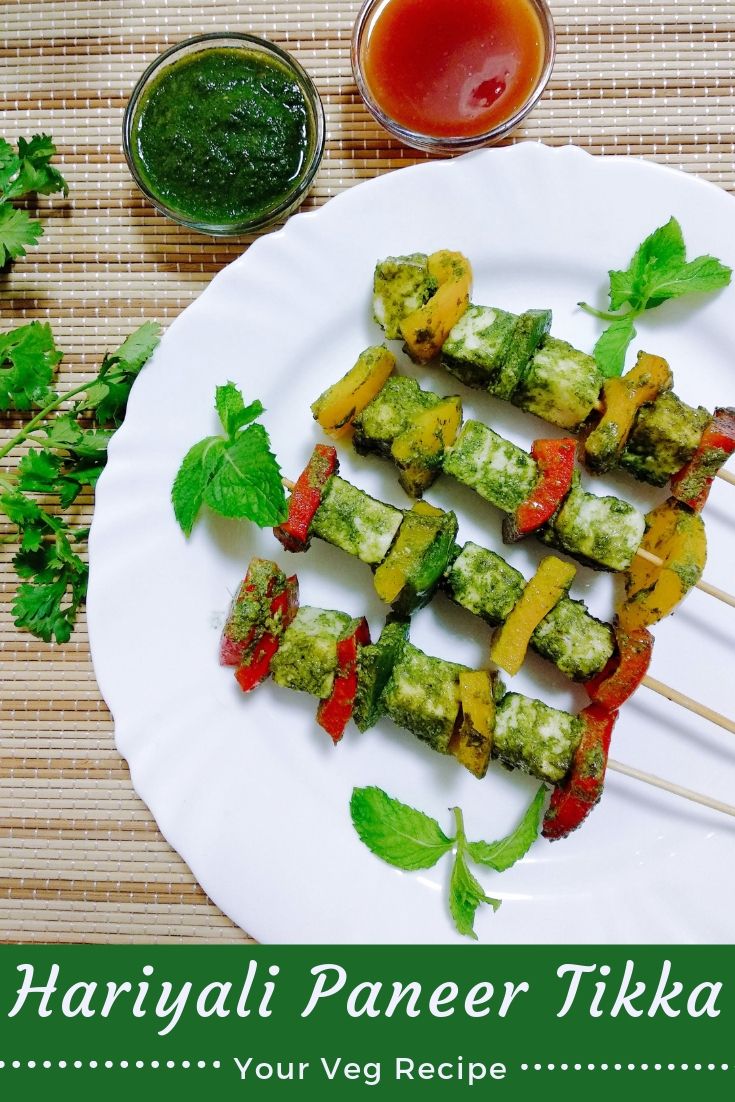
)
(544, 591)
(570, 637)
(528, 332)
(484, 583)
(562, 385)
(472, 741)
(419, 450)
(665, 436)
(531, 736)
(392, 411)
(350, 519)
(307, 657)
(622, 398)
(499, 471)
(337, 407)
(408, 576)
(401, 284)
(423, 696)
(375, 664)
(425, 330)
(603, 531)
(478, 344)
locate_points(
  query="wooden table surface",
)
(81, 858)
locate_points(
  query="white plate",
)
(248, 789)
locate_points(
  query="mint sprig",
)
(235, 474)
(659, 271)
(409, 839)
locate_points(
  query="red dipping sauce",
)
(452, 68)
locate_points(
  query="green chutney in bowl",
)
(224, 133)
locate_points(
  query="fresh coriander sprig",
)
(659, 271)
(235, 474)
(24, 171)
(69, 454)
(410, 840)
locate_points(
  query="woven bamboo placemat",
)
(81, 858)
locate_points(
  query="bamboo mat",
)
(80, 856)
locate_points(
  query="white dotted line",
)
(625, 1067)
(107, 1064)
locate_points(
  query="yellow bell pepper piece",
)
(337, 407)
(426, 329)
(414, 539)
(472, 739)
(622, 398)
(544, 591)
(420, 449)
(676, 536)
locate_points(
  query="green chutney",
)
(221, 136)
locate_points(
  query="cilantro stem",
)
(21, 436)
(606, 315)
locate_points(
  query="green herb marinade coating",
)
(375, 665)
(251, 607)
(603, 531)
(537, 739)
(478, 344)
(221, 135)
(401, 284)
(423, 696)
(306, 659)
(665, 436)
(350, 519)
(578, 644)
(530, 329)
(562, 385)
(484, 584)
(389, 414)
(500, 472)
(695, 482)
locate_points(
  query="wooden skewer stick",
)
(691, 705)
(726, 476)
(669, 786)
(712, 590)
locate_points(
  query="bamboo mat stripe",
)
(80, 856)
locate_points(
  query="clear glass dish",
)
(285, 203)
(431, 143)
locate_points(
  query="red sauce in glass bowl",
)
(452, 68)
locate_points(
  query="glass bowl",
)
(446, 144)
(283, 204)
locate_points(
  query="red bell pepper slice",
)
(334, 713)
(247, 617)
(306, 498)
(282, 610)
(624, 672)
(572, 802)
(555, 460)
(693, 482)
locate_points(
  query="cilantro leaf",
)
(247, 483)
(28, 360)
(612, 346)
(395, 832)
(236, 475)
(36, 174)
(199, 466)
(9, 164)
(504, 853)
(17, 231)
(107, 397)
(465, 896)
(138, 347)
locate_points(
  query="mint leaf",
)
(247, 483)
(465, 896)
(662, 251)
(199, 466)
(612, 346)
(701, 276)
(504, 853)
(17, 231)
(395, 832)
(232, 411)
(28, 361)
